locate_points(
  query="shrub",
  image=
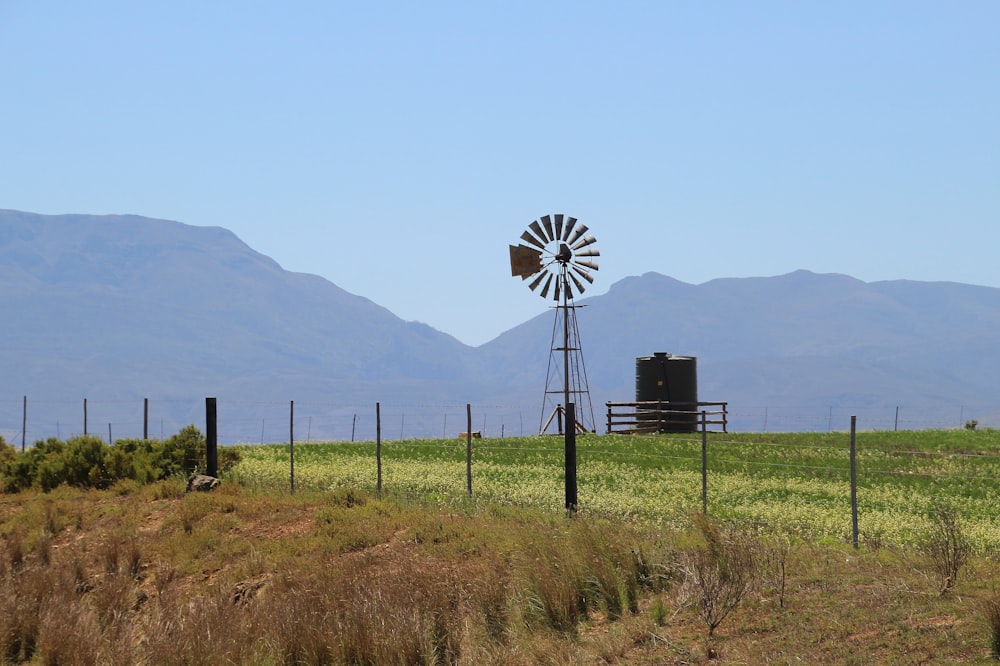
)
(184, 452)
(946, 545)
(720, 572)
(84, 463)
(7, 455)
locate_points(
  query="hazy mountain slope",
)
(118, 302)
(793, 340)
(123, 307)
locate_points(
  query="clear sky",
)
(397, 148)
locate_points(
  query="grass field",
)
(333, 574)
(798, 483)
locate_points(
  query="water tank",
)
(672, 379)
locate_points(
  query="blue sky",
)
(397, 148)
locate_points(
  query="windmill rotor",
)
(556, 249)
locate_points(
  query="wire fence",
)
(28, 419)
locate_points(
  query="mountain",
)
(116, 309)
(803, 344)
(125, 307)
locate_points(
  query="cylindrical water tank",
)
(673, 379)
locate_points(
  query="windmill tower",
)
(558, 260)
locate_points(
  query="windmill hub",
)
(565, 254)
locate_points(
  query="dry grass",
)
(151, 575)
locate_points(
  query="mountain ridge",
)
(108, 305)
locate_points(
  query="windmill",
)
(558, 261)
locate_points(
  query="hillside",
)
(120, 308)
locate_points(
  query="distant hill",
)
(120, 308)
(802, 344)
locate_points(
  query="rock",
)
(202, 482)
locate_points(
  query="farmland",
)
(337, 572)
(798, 483)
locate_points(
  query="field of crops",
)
(796, 483)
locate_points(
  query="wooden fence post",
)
(145, 418)
(291, 446)
(84, 417)
(24, 423)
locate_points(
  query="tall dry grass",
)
(149, 575)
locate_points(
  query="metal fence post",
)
(378, 447)
(704, 464)
(571, 495)
(468, 448)
(854, 483)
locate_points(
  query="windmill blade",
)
(538, 280)
(537, 229)
(579, 285)
(592, 265)
(570, 222)
(587, 240)
(547, 223)
(589, 252)
(579, 231)
(528, 238)
(548, 283)
(584, 274)
(558, 222)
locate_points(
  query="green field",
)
(794, 483)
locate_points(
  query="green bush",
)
(185, 451)
(7, 455)
(87, 462)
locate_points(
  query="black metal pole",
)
(378, 447)
(211, 438)
(145, 418)
(24, 423)
(291, 446)
(468, 448)
(566, 386)
(854, 483)
(571, 497)
(704, 463)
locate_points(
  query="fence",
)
(661, 416)
(27, 419)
